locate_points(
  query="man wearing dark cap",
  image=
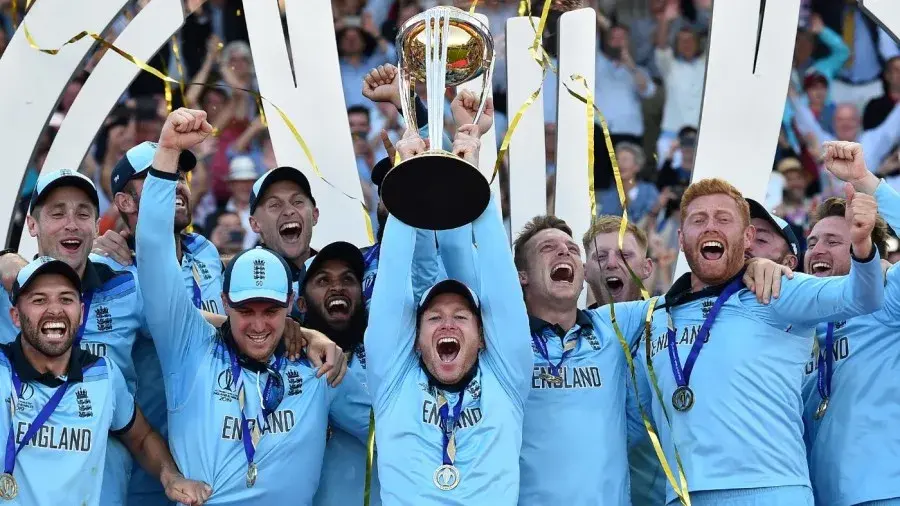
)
(774, 239)
(63, 218)
(68, 401)
(201, 271)
(332, 303)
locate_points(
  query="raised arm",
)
(459, 256)
(176, 325)
(392, 315)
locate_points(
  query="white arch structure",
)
(737, 137)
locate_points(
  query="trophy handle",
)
(486, 87)
(407, 100)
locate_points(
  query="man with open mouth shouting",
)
(729, 368)
(243, 415)
(63, 217)
(448, 373)
(851, 389)
(66, 402)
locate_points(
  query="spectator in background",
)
(878, 109)
(116, 137)
(644, 31)
(816, 87)
(683, 69)
(640, 196)
(227, 234)
(360, 49)
(795, 206)
(241, 176)
(620, 86)
(360, 127)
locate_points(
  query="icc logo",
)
(226, 381)
(27, 392)
(446, 477)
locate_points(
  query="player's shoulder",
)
(114, 279)
(197, 244)
(94, 367)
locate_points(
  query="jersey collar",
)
(245, 361)
(77, 361)
(680, 293)
(538, 325)
(91, 279)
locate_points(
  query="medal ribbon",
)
(448, 425)
(197, 297)
(86, 299)
(826, 363)
(250, 437)
(11, 449)
(683, 374)
(541, 345)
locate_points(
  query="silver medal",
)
(446, 477)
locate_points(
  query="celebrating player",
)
(66, 401)
(851, 400)
(243, 415)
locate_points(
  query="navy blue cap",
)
(338, 250)
(257, 274)
(449, 286)
(273, 176)
(39, 267)
(787, 232)
(62, 177)
(138, 159)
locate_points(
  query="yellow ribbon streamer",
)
(176, 52)
(167, 79)
(370, 458)
(680, 486)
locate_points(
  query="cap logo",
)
(259, 271)
(65, 172)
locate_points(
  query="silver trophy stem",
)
(486, 86)
(437, 34)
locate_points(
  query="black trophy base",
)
(435, 191)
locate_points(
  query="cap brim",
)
(282, 174)
(341, 251)
(54, 267)
(758, 211)
(239, 298)
(449, 286)
(76, 181)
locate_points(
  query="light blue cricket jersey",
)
(201, 267)
(64, 462)
(489, 430)
(204, 414)
(114, 319)
(8, 331)
(591, 400)
(854, 447)
(344, 467)
(745, 429)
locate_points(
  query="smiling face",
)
(49, 314)
(449, 337)
(257, 327)
(769, 243)
(607, 274)
(335, 293)
(284, 220)
(553, 270)
(828, 252)
(714, 236)
(130, 204)
(65, 225)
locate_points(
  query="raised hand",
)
(114, 245)
(465, 106)
(381, 85)
(861, 213)
(845, 160)
(184, 129)
(466, 144)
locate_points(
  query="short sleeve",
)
(123, 407)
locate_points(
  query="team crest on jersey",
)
(259, 271)
(474, 389)
(84, 404)
(840, 325)
(204, 271)
(225, 390)
(707, 307)
(588, 334)
(428, 389)
(103, 319)
(295, 382)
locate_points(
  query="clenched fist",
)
(465, 106)
(845, 160)
(380, 85)
(861, 213)
(466, 144)
(184, 129)
(410, 145)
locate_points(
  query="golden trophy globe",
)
(437, 190)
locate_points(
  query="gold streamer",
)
(370, 458)
(472, 7)
(680, 487)
(176, 52)
(167, 79)
(542, 61)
